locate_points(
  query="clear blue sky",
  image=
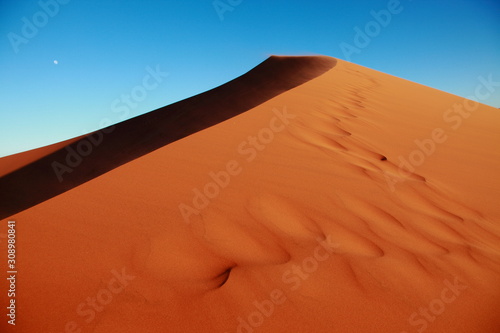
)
(67, 76)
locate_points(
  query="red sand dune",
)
(101, 151)
(342, 200)
(14, 162)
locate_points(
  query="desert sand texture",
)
(309, 195)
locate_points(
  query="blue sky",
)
(67, 66)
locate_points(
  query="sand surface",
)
(353, 201)
(11, 163)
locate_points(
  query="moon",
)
(56, 62)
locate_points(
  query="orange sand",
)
(308, 224)
(14, 162)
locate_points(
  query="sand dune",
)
(314, 195)
(14, 162)
(99, 152)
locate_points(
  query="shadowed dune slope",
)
(99, 152)
(355, 202)
(14, 162)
